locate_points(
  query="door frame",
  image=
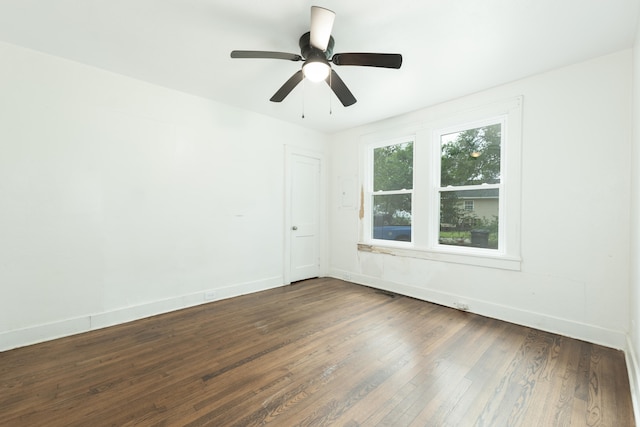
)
(289, 152)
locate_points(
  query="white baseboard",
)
(566, 327)
(49, 331)
(633, 369)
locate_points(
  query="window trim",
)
(421, 247)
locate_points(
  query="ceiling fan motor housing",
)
(309, 52)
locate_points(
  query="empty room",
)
(218, 213)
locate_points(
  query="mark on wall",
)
(375, 249)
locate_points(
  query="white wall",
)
(633, 351)
(120, 199)
(574, 276)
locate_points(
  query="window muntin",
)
(469, 185)
(392, 191)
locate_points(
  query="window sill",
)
(480, 260)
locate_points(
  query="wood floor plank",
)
(317, 353)
(376, 354)
(485, 376)
(446, 397)
(559, 379)
(511, 396)
(403, 382)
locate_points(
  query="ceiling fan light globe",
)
(316, 71)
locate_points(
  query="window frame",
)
(425, 210)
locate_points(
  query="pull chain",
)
(304, 85)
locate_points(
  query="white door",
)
(304, 216)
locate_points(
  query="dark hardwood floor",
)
(317, 353)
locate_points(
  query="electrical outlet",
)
(210, 295)
(461, 306)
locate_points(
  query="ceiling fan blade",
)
(265, 54)
(384, 60)
(287, 87)
(321, 26)
(340, 89)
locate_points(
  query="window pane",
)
(461, 227)
(393, 167)
(468, 205)
(471, 157)
(392, 217)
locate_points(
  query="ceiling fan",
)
(316, 48)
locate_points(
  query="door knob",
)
(294, 228)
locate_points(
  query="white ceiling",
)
(450, 47)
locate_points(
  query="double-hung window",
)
(450, 191)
